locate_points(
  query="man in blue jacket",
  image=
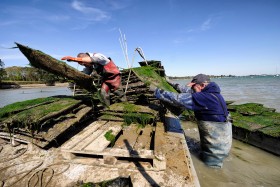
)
(215, 129)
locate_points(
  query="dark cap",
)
(198, 79)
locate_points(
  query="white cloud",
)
(91, 12)
(206, 25)
(119, 4)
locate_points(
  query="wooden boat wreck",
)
(139, 141)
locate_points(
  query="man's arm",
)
(86, 61)
(181, 99)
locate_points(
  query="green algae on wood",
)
(33, 118)
(129, 107)
(43, 61)
(130, 113)
(23, 105)
(256, 118)
(110, 136)
(149, 76)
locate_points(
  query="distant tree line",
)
(2, 70)
(32, 74)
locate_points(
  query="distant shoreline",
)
(43, 85)
(37, 85)
(221, 76)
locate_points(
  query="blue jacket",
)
(208, 105)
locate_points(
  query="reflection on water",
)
(9, 96)
(245, 166)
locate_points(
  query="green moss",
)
(141, 119)
(132, 113)
(250, 109)
(18, 106)
(30, 118)
(110, 137)
(273, 130)
(149, 76)
(256, 117)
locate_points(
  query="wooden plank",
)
(116, 152)
(144, 139)
(64, 125)
(92, 137)
(100, 143)
(160, 141)
(83, 134)
(159, 138)
(128, 138)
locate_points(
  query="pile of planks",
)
(42, 122)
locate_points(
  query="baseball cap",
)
(198, 79)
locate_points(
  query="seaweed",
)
(256, 118)
(149, 76)
(43, 61)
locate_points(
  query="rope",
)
(19, 152)
(2, 182)
(129, 72)
(39, 174)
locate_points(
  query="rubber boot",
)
(119, 93)
(105, 97)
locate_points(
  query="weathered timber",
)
(145, 138)
(61, 127)
(43, 61)
(129, 136)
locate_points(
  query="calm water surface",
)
(8, 96)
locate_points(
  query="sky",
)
(214, 37)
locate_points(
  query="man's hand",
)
(69, 58)
(158, 93)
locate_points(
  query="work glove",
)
(69, 58)
(158, 93)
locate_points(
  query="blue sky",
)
(216, 37)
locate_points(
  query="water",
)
(258, 89)
(8, 96)
(246, 165)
